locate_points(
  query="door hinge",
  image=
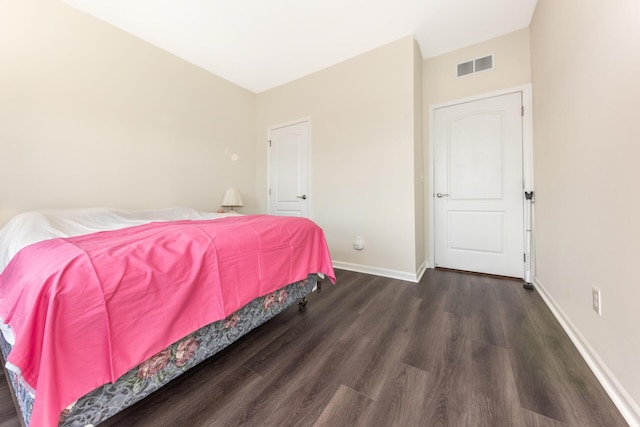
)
(522, 111)
(269, 191)
(524, 257)
(269, 143)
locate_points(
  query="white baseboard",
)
(623, 401)
(384, 272)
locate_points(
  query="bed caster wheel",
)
(302, 305)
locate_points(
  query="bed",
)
(101, 307)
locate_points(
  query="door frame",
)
(309, 174)
(527, 155)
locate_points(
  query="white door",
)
(289, 170)
(478, 186)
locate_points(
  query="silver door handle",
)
(303, 197)
(438, 195)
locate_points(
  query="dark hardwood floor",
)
(454, 350)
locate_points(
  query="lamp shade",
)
(232, 198)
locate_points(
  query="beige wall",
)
(512, 68)
(418, 159)
(90, 115)
(585, 68)
(362, 150)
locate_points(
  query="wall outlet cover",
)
(596, 299)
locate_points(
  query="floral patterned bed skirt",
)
(168, 364)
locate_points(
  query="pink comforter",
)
(87, 309)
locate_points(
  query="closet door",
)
(289, 170)
(478, 186)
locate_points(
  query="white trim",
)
(384, 272)
(309, 162)
(290, 123)
(620, 397)
(527, 149)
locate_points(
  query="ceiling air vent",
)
(474, 66)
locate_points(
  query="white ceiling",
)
(260, 44)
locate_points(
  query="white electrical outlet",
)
(597, 301)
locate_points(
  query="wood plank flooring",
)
(454, 350)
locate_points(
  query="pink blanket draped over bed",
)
(87, 309)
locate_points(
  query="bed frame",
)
(152, 374)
